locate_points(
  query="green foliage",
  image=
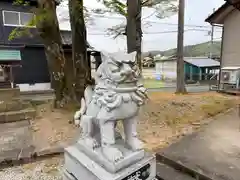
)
(161, 8)
(116, 6)
(21, 2)
(202, 49)
(196, 50)
(22, 31)
(41, 18)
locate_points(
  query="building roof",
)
(10, 57)
(67, 39)
(196, 61)
(221, 13)
(202, 61)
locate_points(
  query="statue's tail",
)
(84, 103)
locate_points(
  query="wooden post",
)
(212, 35)
(11, 77)
(200, 74)
(191, 72)
(206, 73)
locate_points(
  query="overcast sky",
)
(161, 34)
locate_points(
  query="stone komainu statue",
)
(115, 97)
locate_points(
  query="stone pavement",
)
(17, 144)
(212, 153)
(48, 169)
(16, 138)
(15, 141)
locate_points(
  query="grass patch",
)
(168, 116)
(153, 83)
(165, 118)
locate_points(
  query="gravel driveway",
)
(49, 169)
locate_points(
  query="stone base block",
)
(67, 176)
(130, 157)
(80, 167)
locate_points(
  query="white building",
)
(195, 67)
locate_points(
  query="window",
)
(12, 18)
(25, 18)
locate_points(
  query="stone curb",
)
(171, 87)
(37, 92)
(25, 158)
(235, 93)
(182, 168)
(15, 116)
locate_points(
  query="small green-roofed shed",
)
(9, 58)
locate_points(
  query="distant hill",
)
(202, 49)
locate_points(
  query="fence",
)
(202, 77)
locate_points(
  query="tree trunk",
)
(79, 47)
(180, 61)
(48, 28)
(134, 29)
(139, 35)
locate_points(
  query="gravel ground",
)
(49, 169)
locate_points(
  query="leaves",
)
(117, 30)
(21, 2)
(115, 6)
(161, 9)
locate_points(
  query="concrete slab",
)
(168, 173)
(15, 141)
(213, 152)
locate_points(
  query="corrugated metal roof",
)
(10, 55)
(201, 61)
(67, 39)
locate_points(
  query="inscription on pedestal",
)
(141, 174)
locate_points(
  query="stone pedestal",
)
(78, 166)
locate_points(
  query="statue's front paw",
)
(92, 143)
(77, 122)
(112, 154)
(135, 144)
(77, 117)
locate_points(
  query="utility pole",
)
(181, 89)
(212, 35)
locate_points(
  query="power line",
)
(155, 22)
(158, 32)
